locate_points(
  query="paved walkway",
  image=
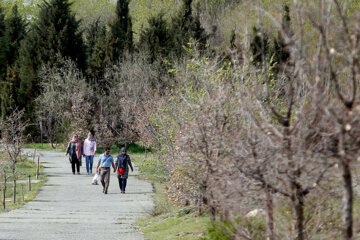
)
(69, 207)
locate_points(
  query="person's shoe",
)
(78, 173)
(73, 173)
(105, 192)
(90, 171)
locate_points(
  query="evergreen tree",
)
(14, 34)
(281, 54)
(3, 48)
(260, 46)
(156, 39)
(55, 32)
(186, 26)
(9, 92)
(95, 36)
(2, 44)
(2, 22)
(120, 39)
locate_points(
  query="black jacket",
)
(124, 162)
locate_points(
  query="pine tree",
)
(3, 46)
(281, 54)
(260, 46)
(156, 39)
(186, 26)
(95, 36)
(120, 39)
(14, 34)
(55, 33)
(2, 22)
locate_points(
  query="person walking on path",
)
(89, 152)
(74, 150)
(123, 161)
(105, 161)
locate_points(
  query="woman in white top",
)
(89, 151)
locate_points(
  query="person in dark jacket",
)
(123, 161)
(74, 149)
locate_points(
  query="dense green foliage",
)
(156, 39)
(55, 33)
(120, 37)
(95, 36)
(52, 31)
(14, 34)
(185, 27)
(2, 43)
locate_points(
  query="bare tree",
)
(127, 86)
(66, 103)
(13, 137)
(279, 138)
(337, 66)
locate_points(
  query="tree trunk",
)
(14, 168)
(347, 202)
(212, 213)
(269, 215)
(297, 197)
(297, 200)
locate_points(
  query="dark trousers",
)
(122, 183)
(75, 161)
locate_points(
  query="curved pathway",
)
(69, 207)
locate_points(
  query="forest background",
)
(249, 104)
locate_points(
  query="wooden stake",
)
(38, 168)
(34, 156)
(22, 192)
(4, 191)
(14, 191)
(29, 184)
(4, 195)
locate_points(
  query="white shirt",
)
(89, 147)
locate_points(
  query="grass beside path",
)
(45, 146)
(167, 221)
(23, 196)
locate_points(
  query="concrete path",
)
(69, 207)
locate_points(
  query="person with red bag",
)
(122, 166)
